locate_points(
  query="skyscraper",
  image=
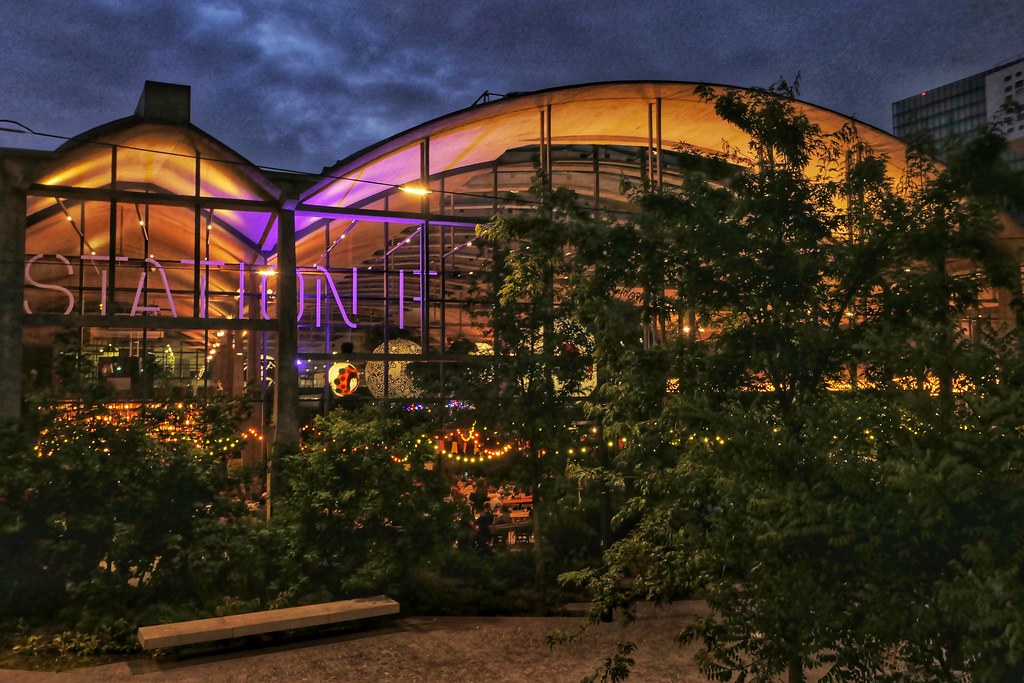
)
(963, 106)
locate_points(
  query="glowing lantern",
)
(343, 378)
(400, 383)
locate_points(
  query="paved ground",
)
(425, 649)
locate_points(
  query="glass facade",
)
(954, 109)
(153, 250)
(963, 107)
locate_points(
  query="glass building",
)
(160, 253)
(964, 106)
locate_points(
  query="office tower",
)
(963, 106)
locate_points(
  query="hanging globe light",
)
(400, 382)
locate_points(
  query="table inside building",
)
(519, 529)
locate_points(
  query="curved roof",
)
(354, 216)
(170, 150)
(161, 159)
(614, 113)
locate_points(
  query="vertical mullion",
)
(108, 305)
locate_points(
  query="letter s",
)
(56, 288)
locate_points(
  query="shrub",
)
(360, 509)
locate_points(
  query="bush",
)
(358, 511)
(103, 523)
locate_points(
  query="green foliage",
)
(460, 582)
(807, 434)
(615, 667)
(959, 493)
(219, 431)
(65, 647)
(870, 532)
(104, 524)
(106, 528)
(82, 510)
(227, 565)
(542, 352)
(359, 511)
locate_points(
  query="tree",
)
(786, 478)
(542, 352)
(359, 512)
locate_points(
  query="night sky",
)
(300, 83)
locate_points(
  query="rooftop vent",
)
(165, 102)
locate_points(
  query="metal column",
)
(286, 392)
(425, 247)
(13, 207)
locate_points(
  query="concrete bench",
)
(255, 623)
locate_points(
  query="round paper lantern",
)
(400, 384)
(343, 378)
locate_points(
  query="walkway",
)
(427, 649)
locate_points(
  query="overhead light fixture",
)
(412, 189)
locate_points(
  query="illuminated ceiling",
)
(355, 214)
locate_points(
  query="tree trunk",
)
(796, 670)
(943, 369)
(548, 397)
(606, 495)
(538, 546)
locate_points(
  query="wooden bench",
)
(255, 623)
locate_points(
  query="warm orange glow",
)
(465, 446)
(184, 424)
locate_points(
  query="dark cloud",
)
(302, 83)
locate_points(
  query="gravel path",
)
(427, 649)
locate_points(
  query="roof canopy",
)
(662, 115)
(177, 191)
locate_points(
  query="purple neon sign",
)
(323, 280)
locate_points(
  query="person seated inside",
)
(479, 495)
(454, 494)
(501, 516)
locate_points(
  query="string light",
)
(168, 423)
(466, 447)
